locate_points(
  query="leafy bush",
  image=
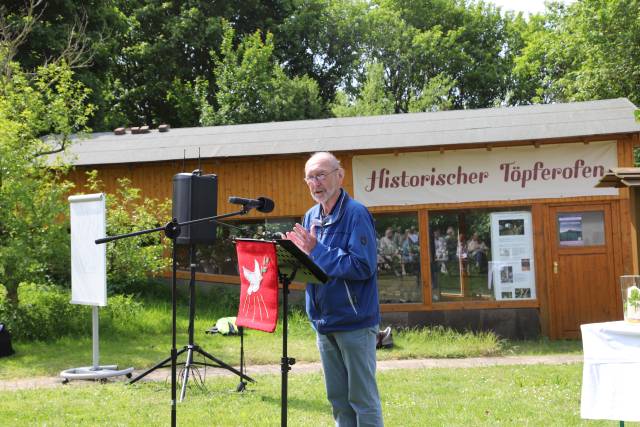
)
(44, 313)
(34, 239)
(132, 261)
(120, 314)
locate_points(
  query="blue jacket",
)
(346, 251)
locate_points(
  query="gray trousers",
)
(349, 364)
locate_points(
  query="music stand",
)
(291, 262)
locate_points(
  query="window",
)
(581, 228)
(481, 255)
(399, 279)
(220, 257)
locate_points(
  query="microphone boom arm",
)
(172, 228)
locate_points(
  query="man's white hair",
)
(325, 154)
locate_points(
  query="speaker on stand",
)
(195, 196)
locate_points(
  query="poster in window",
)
(511, 227)
(570, 230)
(506, 274)
(511, 271)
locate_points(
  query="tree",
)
(151, 61)
(541, 63)
(375, 99)
(390, 43)
(608, 45)
(434, 96)
(39, 111)
(372, 100)
(433, 55)
(323, 39)
(146, 55)
(86, 35)
(588, 50)
(461, 43)
(34, 241)
(253, 88)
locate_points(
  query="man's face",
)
(322, 190)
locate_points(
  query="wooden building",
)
(487, 219)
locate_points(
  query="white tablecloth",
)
(611, 373)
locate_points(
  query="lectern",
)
(292, 263)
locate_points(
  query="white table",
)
(611, 372)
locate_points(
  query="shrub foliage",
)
(44, 313)
(131, 262)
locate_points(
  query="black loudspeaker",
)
(195, 196)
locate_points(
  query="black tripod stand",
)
(191, 347)
(172, 231)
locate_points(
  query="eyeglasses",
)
(320, 177)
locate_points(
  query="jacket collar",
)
(336, 213)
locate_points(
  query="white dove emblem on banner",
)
(253, 298)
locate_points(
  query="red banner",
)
(258, 268)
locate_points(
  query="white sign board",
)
(88, 260)
(507, 173)
(511, 270)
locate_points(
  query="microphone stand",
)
(172, 231)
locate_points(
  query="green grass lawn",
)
(149, 341)
(511, 395)
(538, 395)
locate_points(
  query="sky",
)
(526, 6)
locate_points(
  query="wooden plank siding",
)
(278, 178)
(539, 215)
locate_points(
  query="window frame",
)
(427, 304)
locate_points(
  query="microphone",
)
(262, 204)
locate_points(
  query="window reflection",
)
(220, 257)
(467, 265)
(399, 279)
(460, 251)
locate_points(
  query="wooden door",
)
(582, 282)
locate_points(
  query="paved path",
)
(383, 365)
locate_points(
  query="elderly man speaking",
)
(339, 235)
